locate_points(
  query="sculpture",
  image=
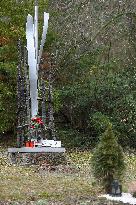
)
(27, 85)
(33, 131)
(34, 54)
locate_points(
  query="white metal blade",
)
(32, 65)
(45, 27)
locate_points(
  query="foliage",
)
(100, 122)
(56, 100)
(108, 159)
(100, 72)
(71, 138)
(102, 90)
(7, 96)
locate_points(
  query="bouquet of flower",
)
(37, 128)
(36, 122)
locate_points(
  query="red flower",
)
(34, 119)
(37, 120)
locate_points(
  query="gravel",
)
(125, 198)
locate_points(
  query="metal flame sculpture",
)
(34, 54)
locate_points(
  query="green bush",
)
(108, 159)
(71, 138)
(100, 122)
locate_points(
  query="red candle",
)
(31, 144)
(27, 144)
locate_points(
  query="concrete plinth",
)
(37, 150)
(37, 155)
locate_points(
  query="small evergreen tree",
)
(108, 159)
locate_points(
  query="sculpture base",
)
(37, 155)
(36, 150)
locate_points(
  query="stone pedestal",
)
(37, 156)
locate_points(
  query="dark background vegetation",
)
(94, 43)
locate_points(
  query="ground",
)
(67, 185)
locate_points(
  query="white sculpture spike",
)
(32, 65)
(45, 27)
(36, 32)
(34, 54)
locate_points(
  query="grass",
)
(130, 174)
(19, 183)
(25, 183)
